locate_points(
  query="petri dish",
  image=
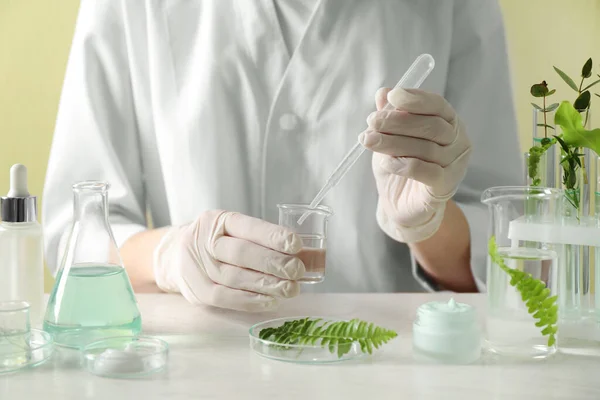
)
(125, 356)
(298, 353)
(39, 349)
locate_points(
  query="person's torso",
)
(228, 119)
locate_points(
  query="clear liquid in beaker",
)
(510, 328)
(313, 255)
(95, 302)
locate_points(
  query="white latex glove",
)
(421, 153)
(229, 260)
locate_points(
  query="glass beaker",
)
(522, 270)
(313, 232)
(92, 297)
(15, 330)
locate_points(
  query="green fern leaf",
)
(333, 345)
(534, 293)
(337, 336)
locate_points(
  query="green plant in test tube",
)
(541, 90)
(574, 140)
(572, 119)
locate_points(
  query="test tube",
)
(596, 267)
(542, 128)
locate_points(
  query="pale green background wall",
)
(543, 33)
(35, 37)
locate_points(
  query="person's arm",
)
(479, 89)
(446, 255)
(96, 136)
(137, 254)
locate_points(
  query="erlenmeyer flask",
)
(92, 297)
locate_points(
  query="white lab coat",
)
(190, 105)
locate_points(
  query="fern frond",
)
(338, 336)
(534, 294)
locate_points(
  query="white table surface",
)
(210, 358)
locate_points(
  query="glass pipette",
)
(412, 79)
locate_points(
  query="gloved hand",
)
(421, 153)
(229, 260)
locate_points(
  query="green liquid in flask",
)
(93, 302)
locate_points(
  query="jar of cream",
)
(446, 332)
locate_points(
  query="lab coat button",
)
(288, 122)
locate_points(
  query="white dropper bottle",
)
(21, 246)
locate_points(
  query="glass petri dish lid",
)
(39, 348)
(125, 356)
(310, 353)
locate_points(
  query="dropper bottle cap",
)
(18, 205)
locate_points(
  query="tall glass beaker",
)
(92, 297)
(521, 271)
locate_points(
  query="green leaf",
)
(562, 143)
(536, 106)
(583, 101)
(546, 125)
(572, 197)
(344, 346)
(549, 301)
(551, 107)
(550, 93)
(590, 85)
(597, 94)
(586, 71)
(574, 134)
(539, 89)
(566, 78)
